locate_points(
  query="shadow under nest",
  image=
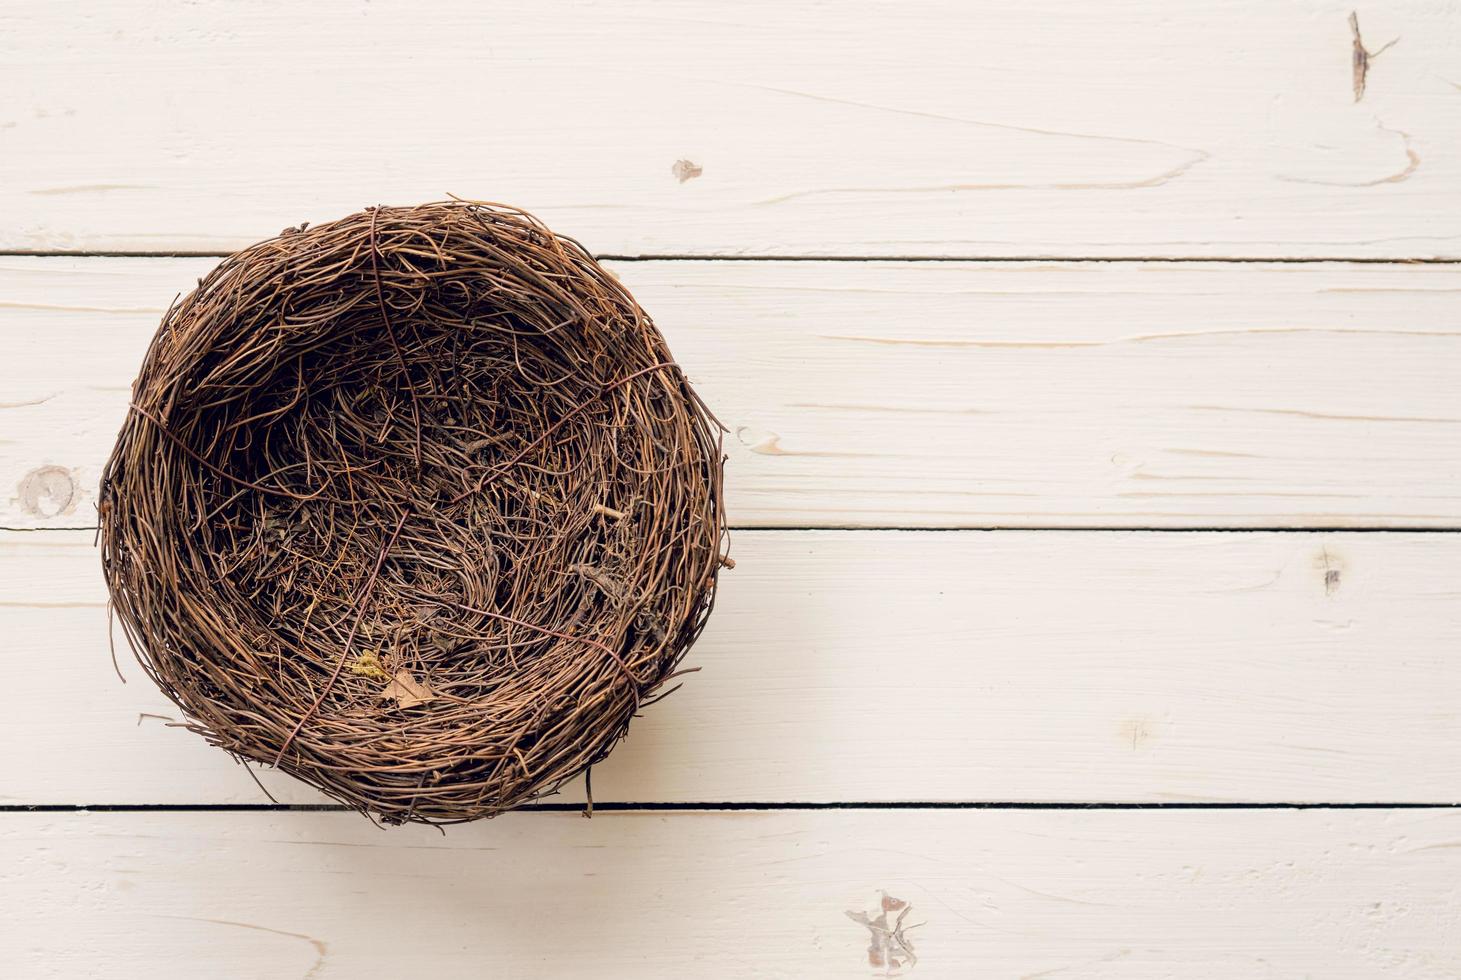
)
(416, 506)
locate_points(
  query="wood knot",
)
(686, 170)
(48, 491)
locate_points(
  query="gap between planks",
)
(731, 806)
(910, 259)
(993, 528)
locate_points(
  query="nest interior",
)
(416, 506)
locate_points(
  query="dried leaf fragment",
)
(407, 690)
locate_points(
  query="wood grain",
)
(896, 666)
(935, 128)
(879, 668)
(1348, 895)
(922, 394)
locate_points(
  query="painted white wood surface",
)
(933, 394)
(892, 666)
(931, 128)
(841, 666)
(1342, 895)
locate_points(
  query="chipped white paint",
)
(931, 128)
(936, 394)
(1136, 895)
(886, 666)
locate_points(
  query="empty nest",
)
(415, 506)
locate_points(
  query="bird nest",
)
(415, 506)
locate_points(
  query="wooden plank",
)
(1137, 895)
(936, 128)
(922, 394)
(877, 666)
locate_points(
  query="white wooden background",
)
(1092, 377)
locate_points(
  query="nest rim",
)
(416, 506)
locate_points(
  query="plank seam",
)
(910, 259)
(622, 807)
(992, 528)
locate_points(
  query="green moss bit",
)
(368, 665)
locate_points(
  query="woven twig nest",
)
(416, 506)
